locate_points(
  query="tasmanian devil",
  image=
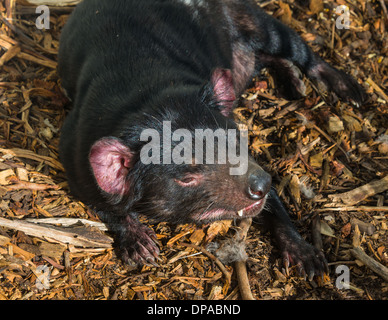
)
(135, 65)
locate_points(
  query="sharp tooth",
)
(240, 212)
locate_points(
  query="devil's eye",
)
(187, 180)
(190, 180)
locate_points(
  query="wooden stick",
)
(19, 185)
(67, 222)
(370, 263)
(46, 62)
(240, 266)
(353, 208)
(73, 236)
(361, 193)
(385, 10)
(377, 89)
(243, 281)
(12, 52)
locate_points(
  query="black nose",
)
(259, 184)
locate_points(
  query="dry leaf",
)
(345, 230)
(356, 237)
(5, 175)
(380, 251)
(22, 174)
(179, 235)
(217, 228)
(216, 293)
(295, 189)
(327, 230)
(309, 37)
(197, 236)
(286, 16)
(335, 124)
(352, 124)
(12, 52)
(316, 160)
(337, 167)
(316, 6)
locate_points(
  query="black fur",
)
(130, 65)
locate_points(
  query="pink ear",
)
(111, 161)
(223, 88)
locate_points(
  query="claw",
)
(151, 262)
(301, 271)
(286, 263)
(153, 236)
(152, 250)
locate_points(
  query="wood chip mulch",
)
(320, 151)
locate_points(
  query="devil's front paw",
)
(308, 260)
(139, 246)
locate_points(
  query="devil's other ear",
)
(224, 93)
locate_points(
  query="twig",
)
(211, 256)
(353, 208)
(44, 62)
(19, 185)
(22, 10)
(361, 193)
(240, 266)
(375, 87)
(72, 236)
(12, 52)
(325, 174)
(243, 281)
(364, 227)
(316, 232)
(370, 263)
(53, 263)
(67, 222)
(244, 226)
(385, 10)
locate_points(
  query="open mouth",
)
(220, 214)
(252, 209)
